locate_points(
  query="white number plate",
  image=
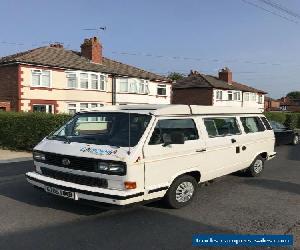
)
(60, 192)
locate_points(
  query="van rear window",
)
(252, 124)
(221, 126)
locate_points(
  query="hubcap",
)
(258, 166)
(296, 139)
(184, 191)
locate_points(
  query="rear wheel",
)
(181, 192)
(295, 140)
(256, 167)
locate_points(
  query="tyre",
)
(256, 167)
(181, 192)
(295, 140)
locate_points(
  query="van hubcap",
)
(184, 192)
(258, 166)
(296, 139)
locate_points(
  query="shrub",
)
(276, 116)
(24, 130)
(291, 121)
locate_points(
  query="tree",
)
(294, 95)
(175, 76)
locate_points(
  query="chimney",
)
(225, 74)
(92, 50)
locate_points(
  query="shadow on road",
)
(140, 228)
(294, 153)
(275, 185)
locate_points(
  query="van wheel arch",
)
(194, 174)
(264, 155)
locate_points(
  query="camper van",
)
(127, 154)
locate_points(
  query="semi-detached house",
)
(56, 80)
(201, 89)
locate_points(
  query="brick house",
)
(272, 104)
(289, 104)
(56, 80)
(201, 89)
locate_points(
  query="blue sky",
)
(261, 49)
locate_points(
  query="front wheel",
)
(256, 167)
(181, 192)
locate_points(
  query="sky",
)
(163, 36)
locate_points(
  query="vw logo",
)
(65, 162)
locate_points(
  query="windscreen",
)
(114, 129)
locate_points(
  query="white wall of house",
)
(140, 91)
(236, 98)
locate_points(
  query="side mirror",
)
(173, 138)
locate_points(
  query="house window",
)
(161, 89)
(124, 85)
(40, 78)
(84, 106)
(237, 96)
(84, 80)
(42, 108)
(72, 108)
(219, 95)
(72, 80)
(133, 86)
(143, 87)
(102, 82)
(94, 81)
(253, 97)
(229, 95)
(246, 97)
(260, 99)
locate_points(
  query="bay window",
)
(72, 80)
(124, 85)
(94, 81)
(102, 82)
(84, 80)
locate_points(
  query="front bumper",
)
(82, 192)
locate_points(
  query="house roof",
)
(207, 81)
(68, 59)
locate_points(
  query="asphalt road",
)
(30, 219)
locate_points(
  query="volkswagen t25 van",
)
(133, 153)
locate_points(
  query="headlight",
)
(39, 156)
(113, 168)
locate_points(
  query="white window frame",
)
(229, 93)
(77, 106)
(76, 77)
(47, 107)
(260, 99)
(219, 95)
(247, 97)
(236, 96)
(41, 77)
(162, 86)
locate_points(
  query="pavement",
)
(7, 156)
(269, 204)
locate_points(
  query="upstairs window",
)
(162, 89)
(72, 80)
(229, 95)
(124, 85)
(237, 96)
(133, 86)
(219, 95)
(102, 82)
(221, 126)
(260, 99)
(40, 78)
(94, 81)
(246, 97)
(84, 80)
(252, 124)
(253, 97)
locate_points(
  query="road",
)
(31, 219)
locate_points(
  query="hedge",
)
(291, 120)
(22, 131)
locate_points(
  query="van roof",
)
(170, 109)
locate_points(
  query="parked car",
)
(284, 135)
(127, 154)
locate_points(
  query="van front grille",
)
(74, 178)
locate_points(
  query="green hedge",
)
(291, 120)
(22, 131)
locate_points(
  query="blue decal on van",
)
(98, 151)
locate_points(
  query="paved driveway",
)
(34, 220)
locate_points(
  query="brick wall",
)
(9, 86)
(196, 96)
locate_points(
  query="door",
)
(165, 160)
(223, 147)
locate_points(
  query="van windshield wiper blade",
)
(66, 138)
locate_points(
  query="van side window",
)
(266, 123)
(221, 126)
(164, 128)
(252, 124)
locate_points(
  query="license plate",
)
(60, 192)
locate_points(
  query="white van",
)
(133, 153)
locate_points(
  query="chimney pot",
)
(225, 74)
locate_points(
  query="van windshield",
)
(114, 129)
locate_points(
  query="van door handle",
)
(233, 140)
(200, 150)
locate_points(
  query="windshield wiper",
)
(66, 138)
